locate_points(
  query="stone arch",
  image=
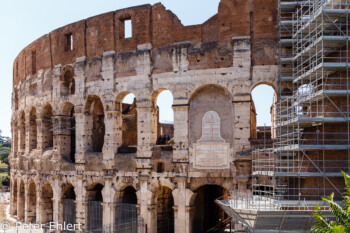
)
(47, 127)
(126, 212)
(67, 82)
(69, 140)
(22, 131)
(68, 204)
(128, 122)
(95, 111)
(206, 213)
(263, 83)
(33, 129)
(164, 200)
(46, 204)
(95, 212)
(21, 201)
(165, 130)
(210, 98)
(31, 208)
(258, 130)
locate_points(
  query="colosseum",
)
(82, 155)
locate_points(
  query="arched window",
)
(67, 83)
(94, 109)
(262, 113)
(68, 125)
(22, 132)
(126, 103)
(163, 100)
(33, 129)
(47, 127)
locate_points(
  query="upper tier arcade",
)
(209, 44)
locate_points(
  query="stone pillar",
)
(180, 153)
(57, 190)
(80, 204)
(182, 198)
(20, 202)
(27, 133)
(14, 140)
(26, 202)
(13, 205)
(179, 57)
(62, 138)
(242, 186)
(79, 135)
(22, 137)
(107, 72)
(241, 127)
(39, 123)
(189, 218)
(108, 193)
(38, 206)
(113, 137)
(145, 203)
(146, 137)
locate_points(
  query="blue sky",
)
(24, 21)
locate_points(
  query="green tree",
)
(341, 214)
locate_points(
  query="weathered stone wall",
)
(208, 67)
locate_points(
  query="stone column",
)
(241, 128)
(146, 137)
(182, 198)
(38, 201)
(62, 138)
(107, 71)
(113, 137)
(108, 193)
(26, 203)
(180, 153)
(22, 137)
(13, 207)
(145, 202)
(27, 135)
(57, 190)
(80, 203)
(79, 135)
(14, 140)
(39, 123)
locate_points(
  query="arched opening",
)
(14, 200)
(286, 92)
(68, 204)
(31, 209)
(126, 211)
(263, 99)
(95, 211)
(68, 123)
(22, 132)
(165, 211)
(47, 127)
(67, 83)
(94, 109)
(21, 201)
(207, 214)
(207, 99)
(126, 104)
(163, 101)
(46, 204)
(33, 129)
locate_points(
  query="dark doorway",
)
(95, 211)
(69, 211)
(207, 214)
(165, 211)
(126, 212)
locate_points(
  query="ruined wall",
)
(78, 75)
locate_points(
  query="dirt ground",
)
(3, 213)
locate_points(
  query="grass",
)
(3, 165)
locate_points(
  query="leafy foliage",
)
(5, 180)
(341, 214)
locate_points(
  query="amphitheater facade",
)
(80, 155)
